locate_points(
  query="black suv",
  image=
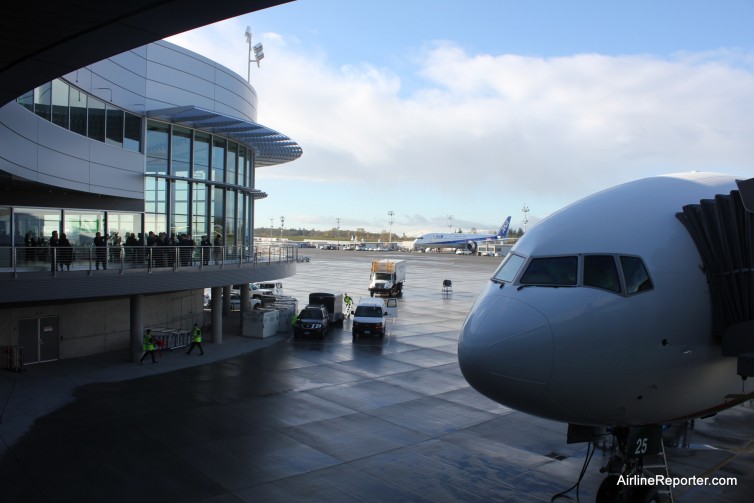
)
(312, 320)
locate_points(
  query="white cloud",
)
(544, 131)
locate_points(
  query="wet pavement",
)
(278, 419)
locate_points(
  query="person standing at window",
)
(100, 251)
(54, 244)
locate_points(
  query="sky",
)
(457, 114)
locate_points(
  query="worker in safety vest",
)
(196, 340)
(148, 344)
(349, 301)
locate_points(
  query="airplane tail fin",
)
(504, 229)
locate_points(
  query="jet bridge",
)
(723, 231)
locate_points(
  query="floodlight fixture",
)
(258, 53)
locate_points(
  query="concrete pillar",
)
(245, 297)
(226, 299)
(217, 314)
(137, 327)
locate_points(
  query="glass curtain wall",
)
(188, 192)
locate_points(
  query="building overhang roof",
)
(39, 43)
(270, 147)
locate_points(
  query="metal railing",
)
(59, 260)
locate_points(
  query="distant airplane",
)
(459, 240)
(614, 315)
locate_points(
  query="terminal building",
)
(145, 161)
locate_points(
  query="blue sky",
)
(430, 108)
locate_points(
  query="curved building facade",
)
(146, 163)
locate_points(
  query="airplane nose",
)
(506, 350)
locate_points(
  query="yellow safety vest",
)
(148, 343)
(197, 335)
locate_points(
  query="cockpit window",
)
(600, 272)
(509, 268)
(636, 275)
(555, 271)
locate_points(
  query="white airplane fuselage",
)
(450, 240)
(591, 356)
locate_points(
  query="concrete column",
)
(137, 327)
(245, 297)
(217, 314)
(226, 299)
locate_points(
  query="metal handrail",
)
(20, 259)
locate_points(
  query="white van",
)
(370, 317)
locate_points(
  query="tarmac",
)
(336, 420)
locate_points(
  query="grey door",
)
(40, 338)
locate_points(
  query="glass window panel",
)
(232, 159)
(199, 209)
(551, 271)
(157, 148)
(124, 224)
(600, 272)
(180, 213)
(218, 159)
(80, 227)
(36, 226)
(239, 218)
(636, 275)
(42, 100)
(27, 101)
(60, 92)
(250, 169)
(78, 104)
(5, 237)
(242, 180)
(230, 214)
(201, 156)
(181, 152)
(114, 126)
(156, 223)
(509, 268)
(218, 213)
(132, 132)
(96, 119)
(155, 204)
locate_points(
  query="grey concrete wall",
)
(88, 328)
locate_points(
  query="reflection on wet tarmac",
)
(376, 420)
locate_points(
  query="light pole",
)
(525, 209)
(258, 53)
(272, 225)
(450, 222)
(337, 232)
(390, 238)
(282, 224)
